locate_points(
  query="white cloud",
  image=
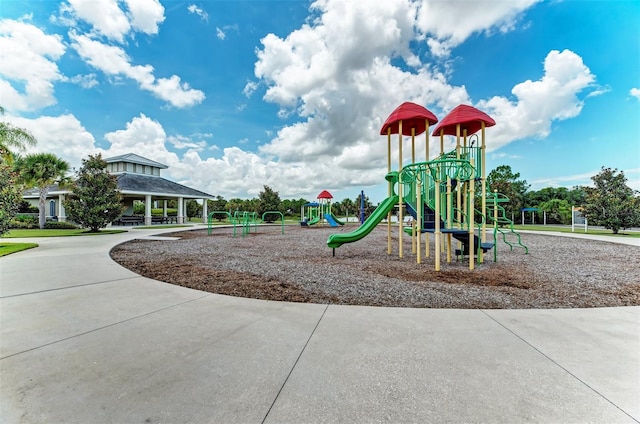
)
(113, 60)
(108, 19)
(220, 34)
(192, 8)
(105, 16)
(446, 24)
(63, 135)
(28, 61)
(85, 81)
(635, 92)
(537, 104)
(336, 75)
(182, 142)
(145, 15)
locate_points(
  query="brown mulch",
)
(558, 272)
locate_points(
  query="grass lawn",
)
(563, 229)
(57, 233)
(9, 248)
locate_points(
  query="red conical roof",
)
(412, 116)
(325, 195)
(468, 117)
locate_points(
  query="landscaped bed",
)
(558, 272)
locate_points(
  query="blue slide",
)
(332, 222)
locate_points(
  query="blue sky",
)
(233, 95)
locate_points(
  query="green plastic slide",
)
(336, 219)
(314, 221)
(337, 240)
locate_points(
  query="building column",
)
(164, 208)
(147, 209)
(204, 211)
(180, 210)
(62, 215)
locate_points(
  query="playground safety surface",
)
(299, 267)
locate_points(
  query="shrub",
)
(58, 225)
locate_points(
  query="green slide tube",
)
(314, 221)
(337, 240)
(336, 219)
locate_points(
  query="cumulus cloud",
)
(537, 104)
(635, 92)
(28, 58)
(64, 135)
(113, 60)
(107, 18)
(336, 75)
(145, 15)
(220, 34)
(445, 26)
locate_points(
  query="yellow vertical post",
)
(495, 224)
(426, 187)
(413, 145)
(436, 233)
(464, 185)
(458, 182)
(472, 229)
(390, 190)
(400, 194)
(483, 168)
(441, 141)
(448, 210)
(413, 160)
(419, 220)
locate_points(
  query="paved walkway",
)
(84, 340)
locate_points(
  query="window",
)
(52, 208)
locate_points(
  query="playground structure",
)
(242, 220)
(439, 194)
(319, 211)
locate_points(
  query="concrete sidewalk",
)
(84, 340)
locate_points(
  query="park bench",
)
(164, 220)
(129, 219)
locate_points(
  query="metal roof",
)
(133, 158)
(136, 184)
(147, 184)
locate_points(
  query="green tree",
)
(41, 171)
(269, 200)
(234, 205)
(611, 203)
(505, 181)
(13, 138)
(219, 204)
(193, 208)
(95, 200)
(558, 211)
(10, 196)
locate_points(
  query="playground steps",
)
(463, 237)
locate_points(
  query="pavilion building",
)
(138, 179)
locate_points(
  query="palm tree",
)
(13, 138)
(41, 170)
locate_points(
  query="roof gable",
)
(137, 159)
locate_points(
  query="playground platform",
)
(84, 340)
